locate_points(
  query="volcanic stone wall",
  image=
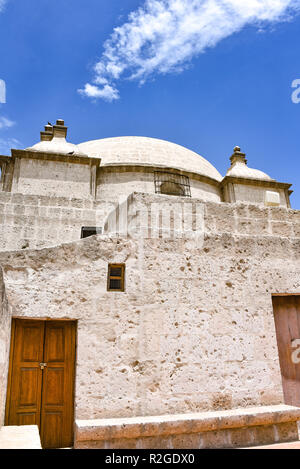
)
(32, 221)
(194, 329)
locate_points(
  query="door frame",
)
(11, 355)
(285, 294)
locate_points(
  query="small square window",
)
(116, 277)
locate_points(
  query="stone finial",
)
(47, 134)
(238, 156)
(59, 129)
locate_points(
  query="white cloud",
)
(108, 93)
(162, 36)
(7, 143)
(2, 4)
(5, 123)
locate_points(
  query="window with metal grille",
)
(171, 184)
(90, 231)
(116, 277)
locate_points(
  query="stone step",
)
(20, 437)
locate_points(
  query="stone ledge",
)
(20, 437)
(166, 425)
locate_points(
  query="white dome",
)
(241, 170)
(57, 145)
(145, 151)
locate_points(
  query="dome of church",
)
(53, 140)
(57, 145)
(145, 151)
(239, 168)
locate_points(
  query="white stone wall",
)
(117, 185)
(203, 191)
(194, 329)
(256, 194)
(32, 221)
(51, 178)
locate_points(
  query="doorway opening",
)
(40, 388)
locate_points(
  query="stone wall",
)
(32, 221)
(51, 178)
(116, 183)
(194, 329)
(5, 324)
(256, 194)
(205, 430)
(151, 214)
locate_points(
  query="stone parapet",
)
(153, 216)
(35, 221)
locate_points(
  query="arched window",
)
(171, 188)
(171, 184)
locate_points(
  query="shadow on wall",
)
(5, 324)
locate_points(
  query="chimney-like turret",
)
(238, 156)
(47, 134)
(59, 129)
(53, 140)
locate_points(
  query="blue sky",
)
(206, 74)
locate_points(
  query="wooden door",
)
(41, 381)
(287, 324)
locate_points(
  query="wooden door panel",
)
(29, 418)
(32, 338)
(44, 395)
(26, 381)
(53, 386)
(52, 430)
(58, 385)
(29, 387)
(287, 324)
(55, 343)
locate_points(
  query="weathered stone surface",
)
(161, 339)
(226, 429)
(28, 220)
(194, 329)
